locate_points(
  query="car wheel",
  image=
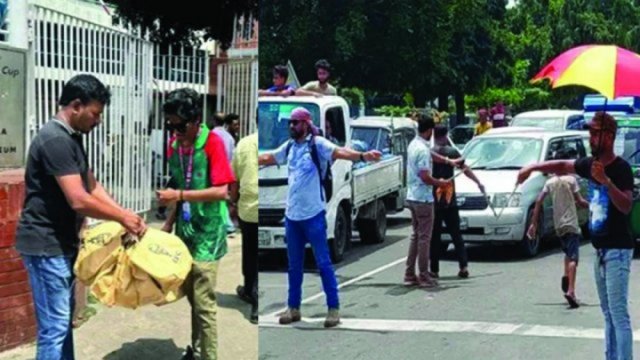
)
(374, 231)
(338, 244)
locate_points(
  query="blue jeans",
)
(314, 231)
(52, 284)
(612, 268)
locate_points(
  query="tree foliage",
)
(185, 22)
(474, 51)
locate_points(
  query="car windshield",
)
(502, 153)
(369, 138)
(627, 144)
(461, 135)
(549, 123)
(273, 124)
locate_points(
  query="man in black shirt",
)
(60, 191)
(446, 207)
(610, 201)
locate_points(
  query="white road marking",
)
(491, 328)
(346, 283)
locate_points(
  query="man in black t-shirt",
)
(60, 191)
(446, 207)
(610, 201)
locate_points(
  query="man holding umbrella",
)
(610, 198)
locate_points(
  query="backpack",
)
(326, 181)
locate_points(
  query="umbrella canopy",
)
(608, 69)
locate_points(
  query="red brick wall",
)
(17, 318)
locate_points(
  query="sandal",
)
(571, 299)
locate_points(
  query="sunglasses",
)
(295, 122)
(181, 127)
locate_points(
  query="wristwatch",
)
(361, 156)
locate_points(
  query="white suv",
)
(496, 157)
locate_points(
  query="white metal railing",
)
(119, 149)
(238, 91)
(173, 68)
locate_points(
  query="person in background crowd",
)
(220, 119)
(232, 124)
(321, 85)
(280, 87)
(498, 116)
(244, 200)
(483, 124)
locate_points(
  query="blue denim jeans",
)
(314, 231)
(612, 267)
(52, 284)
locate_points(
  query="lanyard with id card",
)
(188, 175)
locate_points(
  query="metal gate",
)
(119, 149)
(173, 69)
(238, 91)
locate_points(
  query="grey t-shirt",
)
(565, 215)
(48, 225)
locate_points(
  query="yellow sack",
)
(125, 285)
(165, 258)
(150, 271)
(97, 245)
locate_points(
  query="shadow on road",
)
(147, 349)
(231, 301)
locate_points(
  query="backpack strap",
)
(289, 144)
(313, 149)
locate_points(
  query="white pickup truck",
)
(362, 193)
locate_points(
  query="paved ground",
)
(163, 332)
(510, 308)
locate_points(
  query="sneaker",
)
(254, 314)
(427, 284)
(565, 284)
(463, 274)
(434, 274)
(410, 280)
(290, 316)
(188, 354)
(333, 318)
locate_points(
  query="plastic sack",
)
(96, 249)
(150, 271)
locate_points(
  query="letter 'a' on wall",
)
(13, 107)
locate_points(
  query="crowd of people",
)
(431, 199)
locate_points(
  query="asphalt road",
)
(510, 307)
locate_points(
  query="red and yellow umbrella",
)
(608, 69)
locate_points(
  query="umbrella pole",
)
(606, 99)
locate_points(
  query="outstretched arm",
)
(352, 155)
(553, 166)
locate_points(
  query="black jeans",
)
(451, 218)
(250, 258)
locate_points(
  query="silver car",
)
(496, 158)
